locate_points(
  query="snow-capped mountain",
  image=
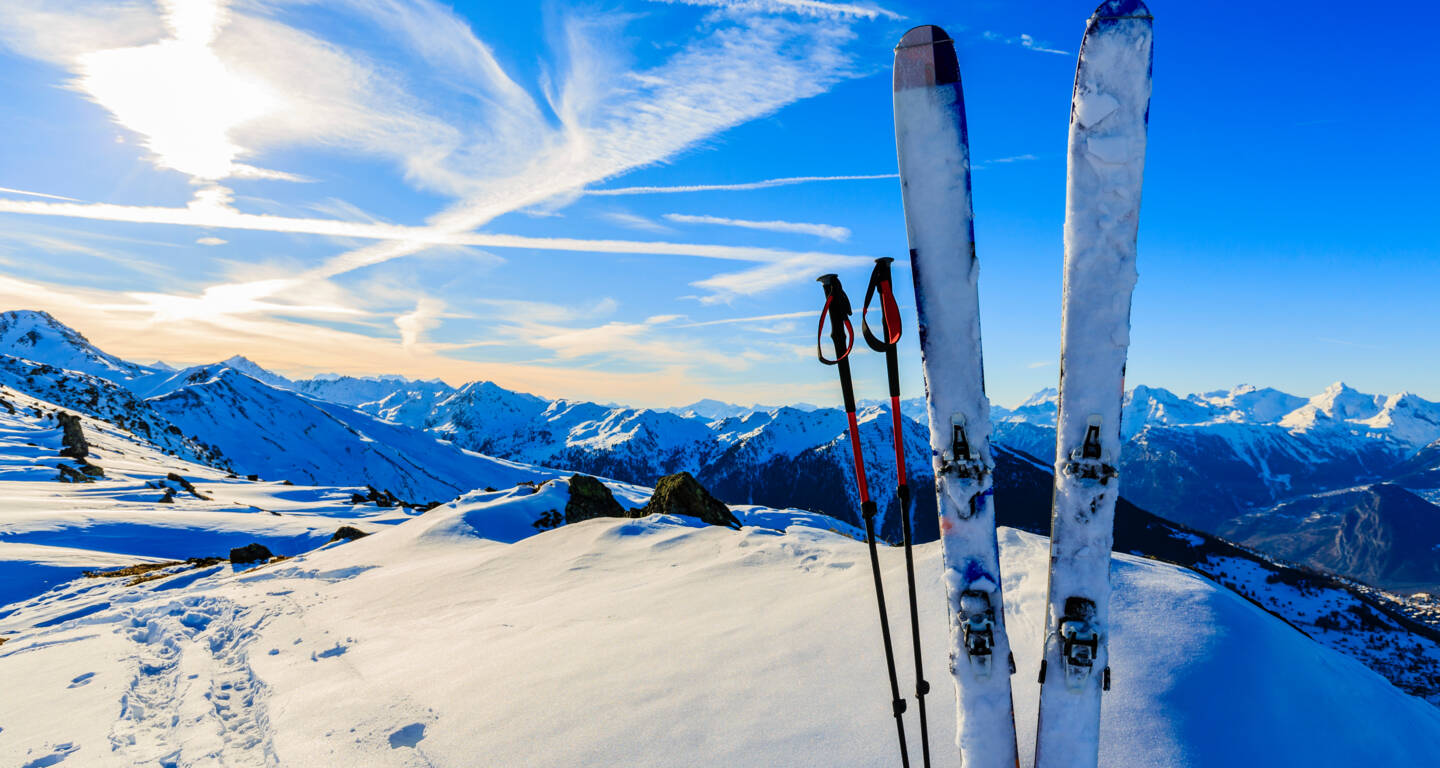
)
(1204, 459)
(38, 336)
(1199, 459)
(281, 434)
(358, 391)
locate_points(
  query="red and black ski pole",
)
(837, 311)
(887, 343)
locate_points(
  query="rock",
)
(183, 483)
(168, 498)
(73, 437)
(69, 474)
(589, 499)
(250, 553)
(682, 494)
(348, 533)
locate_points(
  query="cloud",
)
(426, 315)
(802, 7)
(10, 191)
(1023, 40)
(634, 221)
(819, 230)
(211, 241)
(754, 319)
(768, 277)
(766, 184)
(1041, 364)
(206, 212)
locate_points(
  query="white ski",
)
(1108, 119)
(934, 155)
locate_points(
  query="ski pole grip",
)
(837, 312)
(889, 310)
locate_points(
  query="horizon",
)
(757, 405)
(630, 205)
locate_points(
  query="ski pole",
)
(890, 328)
(842, 334)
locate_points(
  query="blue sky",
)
(400, 186)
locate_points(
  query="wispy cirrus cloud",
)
(9, 191)
(1023, 40)
(802, 7)
(741, 187)
(827, 231)
(462, 127)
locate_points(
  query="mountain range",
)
(1240, 463)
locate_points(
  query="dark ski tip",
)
(925, 58)
(1121, 9)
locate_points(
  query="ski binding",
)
(1079, 641)
(1088, 462)
(960, 460)
(977, 620)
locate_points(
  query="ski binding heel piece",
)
(1088, 462)
(960, 460)
(977, 622)
(1079, 641)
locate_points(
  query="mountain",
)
(1201, 460)
(359, 391)
(146, 504)
(708, 408)
(104, 400)
(248, 367)
(1379, 534)
(38, 336)
(281, 434)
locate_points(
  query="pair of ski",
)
(1108, 118)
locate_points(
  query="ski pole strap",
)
(837, 311)
(867, 507)
(889, 310)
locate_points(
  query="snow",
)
(1105, 171)
(628, 642)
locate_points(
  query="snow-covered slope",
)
(283, 435)
(456, 639)
(38, 336)
(51, 530)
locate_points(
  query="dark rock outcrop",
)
(73, 437)
(348, 533)
(250, 553)
(69, 474)
(589, 499)
(183, 483)
(682, 494)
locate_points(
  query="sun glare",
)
(178, 93)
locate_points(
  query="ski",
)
(934, 157)
(1106, 163)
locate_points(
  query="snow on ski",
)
(1106, 165)
(934, 156)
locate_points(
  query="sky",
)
(629, 201)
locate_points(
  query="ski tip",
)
(925, 58)
(1111, 10)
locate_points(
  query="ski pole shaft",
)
(842, 336)
(880, 280)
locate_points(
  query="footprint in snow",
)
(80, 680)
(408, 736)
(338, 650)
(56, 756)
